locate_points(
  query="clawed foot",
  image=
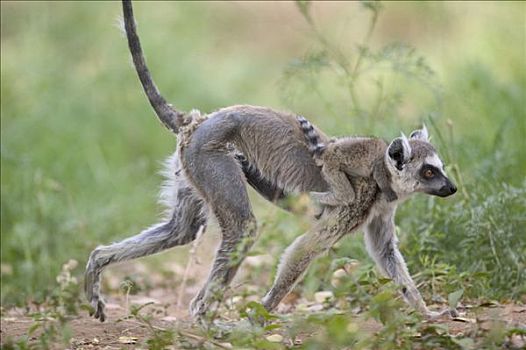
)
(92, 290)
(390, 195)
(198, 307)
(98, 309)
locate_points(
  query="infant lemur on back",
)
(348, 156)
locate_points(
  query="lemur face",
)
(433, 179)
(416, 167)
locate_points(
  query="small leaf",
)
(258, 310)
(135, 309)
(33, 328)
(88, 308)
(453, 298)
(271, 327)
(383, 281)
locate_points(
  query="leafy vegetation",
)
(78, 156)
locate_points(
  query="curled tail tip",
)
(305, 125)
(316, 148)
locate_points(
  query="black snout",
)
(447, 190)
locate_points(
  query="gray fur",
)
(344, 158)
(382, 245)
(219, 153)
(187, 215)
(335, 223)
(316, 147)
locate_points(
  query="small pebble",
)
(275, 338)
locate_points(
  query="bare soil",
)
(120, 332)
(169, 283)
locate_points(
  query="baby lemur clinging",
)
(348, 156)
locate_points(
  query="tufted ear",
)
(420, 134)
(399, 152)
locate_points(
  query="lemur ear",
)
(420, 134)
(399, 152)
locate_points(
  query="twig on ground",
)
(192, 258)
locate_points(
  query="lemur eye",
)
(429, 173)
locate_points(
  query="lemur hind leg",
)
(186, 217)
(219, 178)
(266, 188)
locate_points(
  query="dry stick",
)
(189, 264)
(202, 339)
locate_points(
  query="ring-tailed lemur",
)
(348, 156)
(218, 154)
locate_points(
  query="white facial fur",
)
(402, 182)
(436, 162)
(407, 147)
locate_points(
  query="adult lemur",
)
(218, 154)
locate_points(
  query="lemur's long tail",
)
(169, 116)
(316, 147)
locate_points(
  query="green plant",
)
(363, 73)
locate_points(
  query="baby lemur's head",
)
(415, 166)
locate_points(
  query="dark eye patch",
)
(426, 168)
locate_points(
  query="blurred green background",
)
(81, 148)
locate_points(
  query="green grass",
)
(80, 147)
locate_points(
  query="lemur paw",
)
(92, 290)
(390, 196)
(98, 306)
(198, 308)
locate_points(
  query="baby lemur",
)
(219, 154)
(348, 156)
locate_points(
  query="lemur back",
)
(349, 156)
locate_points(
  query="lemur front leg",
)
(297, 258)
(382, 245)
(341, 191)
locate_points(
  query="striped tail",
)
(316, 147)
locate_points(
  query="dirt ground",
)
(119, 332)
(167, 305)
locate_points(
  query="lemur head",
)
(416, 167)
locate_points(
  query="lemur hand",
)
(390, 195)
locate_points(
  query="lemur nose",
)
(453, 188)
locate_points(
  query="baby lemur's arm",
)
(353, 156)
(341, 191)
